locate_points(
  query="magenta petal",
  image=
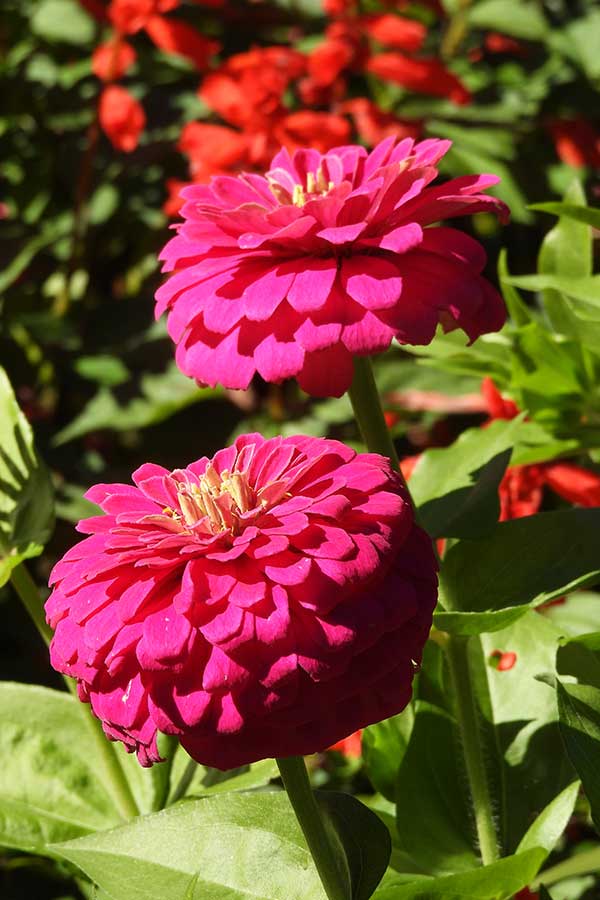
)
(373, 282)
(312, 284)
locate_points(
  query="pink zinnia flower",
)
(325, 257)
(267, 602)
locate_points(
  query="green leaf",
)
(548, 827)
(240, 847)
(50, 789)
(26, 495)
(456, 488)
(586, 289)
(519, 18)
(535, 767)
(579, 716)
(364, 839)
(586, 214)
(383, 746)
(469, 623)
(63, 21)
(161, 397)
(207, 781)
(432, 814)
(583, 37)
(498, 881)
(524, 561)
(103, 368)
(517, 308)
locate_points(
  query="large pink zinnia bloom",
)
(264, 603)
(325, 257)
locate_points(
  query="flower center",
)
(220, 502)
(317, 185)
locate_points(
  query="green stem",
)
(295, 778)
(117, 783)
(467, 714)
(29, 595)
(585, 863)
(366, 404)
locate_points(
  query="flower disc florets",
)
(326, 257)
(265, 603)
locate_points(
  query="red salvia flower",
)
(122, 117)
(177, 37)
(350, 746)
(110, 61)
(395, 31)
(424, 76)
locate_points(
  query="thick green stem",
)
(295, 778)
(468, 718)
(116, 781)
(366, 404)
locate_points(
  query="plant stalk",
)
(295, 779)
(366, 404)
(117, 782)
(467, 714)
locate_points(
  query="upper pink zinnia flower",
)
(265, 603)
(325, 257)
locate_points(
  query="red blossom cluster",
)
(121, 115)
(250, 94)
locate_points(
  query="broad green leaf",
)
(26, 495)
(456, 488)
(524, 561)
(63, 20)
(498, 881)
(383, 746)
(161, 396)
(579, 716)
(207, 781)
(580, 657)
(519, 18)
(579, 614)
(546, 830)
(536, 768)
(434, 825)
(364, 838)
(239, 846)
(51, 785)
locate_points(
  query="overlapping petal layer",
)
(325, 257)
(265, 603)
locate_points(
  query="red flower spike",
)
(129, 16)
(177, 37)
(395, 31)
(498, 406)
(573, 483)
(424, 76)
(320, 130)
(576, 141)
(110, 61)
(122, 118)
